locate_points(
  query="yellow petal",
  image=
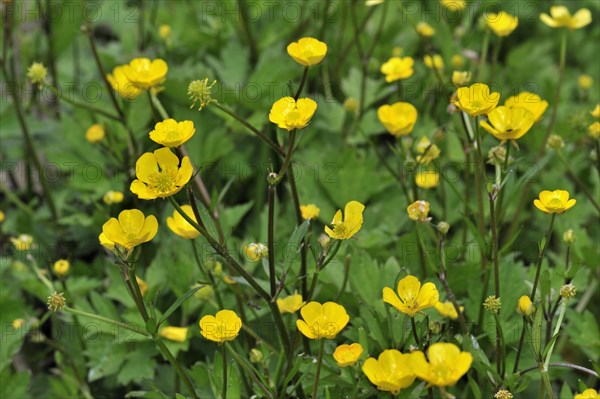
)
(131, 221)
(185, 172)
(166, 159)
(305, 329)
(428, 295)
(570, 204)
(149, 229)
(141, 190)
(581, 18)
(389, 296)
(538, 204)
(408, 288)
(146, 166)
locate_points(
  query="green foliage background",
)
(334, 163)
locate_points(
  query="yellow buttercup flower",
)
(398, 119)
(434, 62)
(596, 112)
(347, 355)
(18, 323)
(446, 365)
(37, 73)
(412, 297)
(95, 133)
(121, 84)
(164, 32)
(457, 61)
(446, 309)
(562, 18)
(176, 334)
(322, 320)
(502, 24)
(506, 123)
(112, 197)
(585, 82)
(589, 393)
(454, 5)
(2, 216)
(204, 293)
(530, 101)
(390, 372)
(397, 68)
(290, 114)
(594, 130)
(291, 303)
(180, 226)
(428, 150)
(524, 306)
(142, 284)
(223, 326)
(350, 224)
(23, 242)
(131, 229)
(418, 211)
(145, 73)
(61, 267)
(159, 174)
(171, 133)
(459, 78)
(476, 99)
(310, 211)
(427, 179)
(256, 251)
(556, 201)
(307, 51)
(424, 29)
(371, 3)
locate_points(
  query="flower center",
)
(555, 203)
(164, 181)
(172, 135)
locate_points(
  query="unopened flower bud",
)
(555, 142)
(324, 241)
(443, 227)
(569, 236)
(256, 356)
(256, 251)
(351, 105)
(525, 306)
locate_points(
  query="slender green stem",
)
(496, 54)
(561, 73)
(501, 193)
(302, 82)
(321, 263)
(207, 274)
(131, 139)
(413, 327)
(130, 327)
(318, 372)
(271, 242)
(449, 293)
(29, 144)
(274, 146)
(224, 355)
(286, 162)
(520, 346)
(546, 382)
(541, 257)
(247, 32)
(500, 347)
(422, 258)
(562, 364)
(180, 372)
(247, 369)
(90, 108)
(561, 315)
(222, 251)
(483, 59)
(578, 181)
(345, 280)
(139, 299)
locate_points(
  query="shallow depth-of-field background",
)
(343, 154)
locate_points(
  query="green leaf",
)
(139, 366)
(178, 303)
(292, 248)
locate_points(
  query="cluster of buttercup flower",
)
(140, 74)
